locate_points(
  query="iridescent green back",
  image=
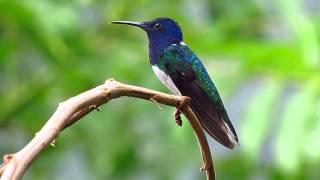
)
(181, 57)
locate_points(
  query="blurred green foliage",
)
(263, 56)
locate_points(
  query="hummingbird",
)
(178, 68)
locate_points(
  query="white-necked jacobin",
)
(183, 73)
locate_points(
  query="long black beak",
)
(131, 23)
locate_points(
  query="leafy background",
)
(263, 56)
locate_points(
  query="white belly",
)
(166, 80)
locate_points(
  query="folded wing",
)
(191, 78)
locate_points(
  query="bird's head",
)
(162, 32)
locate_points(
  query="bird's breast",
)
(166, 80)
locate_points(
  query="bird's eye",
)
(157, 26)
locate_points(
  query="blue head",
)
(162, 32)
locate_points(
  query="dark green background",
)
(263, 56)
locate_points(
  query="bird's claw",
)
(177, 117)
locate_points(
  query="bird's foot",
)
(177, 117)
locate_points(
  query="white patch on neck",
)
(166, 80)
(182, 43)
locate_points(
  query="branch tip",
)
(96, 107)
(152, 98)
(7, 157)
(53, 143)
(205, 167)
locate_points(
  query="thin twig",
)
(78, 106)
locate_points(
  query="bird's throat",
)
(156, 49)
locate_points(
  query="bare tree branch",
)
(75, 108)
